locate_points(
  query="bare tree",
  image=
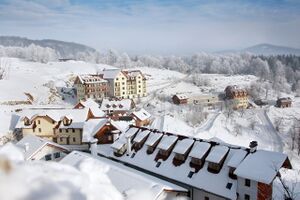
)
(278, 123)
(237, 129)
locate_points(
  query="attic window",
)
(190, 175)
(158, 164)
(107, 106)
(228, 186)
(114, 106)
(120, 106)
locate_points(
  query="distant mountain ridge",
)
(265, 49)
(65, 49)
(269, 49)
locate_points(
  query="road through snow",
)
(268, 128)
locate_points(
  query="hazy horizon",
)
(155, 27)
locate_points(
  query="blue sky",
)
(155, 27)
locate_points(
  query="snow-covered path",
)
(268, 128)
(208, 123)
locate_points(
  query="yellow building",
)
(238, 96)
(125, 83)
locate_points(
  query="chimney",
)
(26, 147)
(128, 145)
(253, 146)
(93, 147)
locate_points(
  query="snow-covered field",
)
(44, 82)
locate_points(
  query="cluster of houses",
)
(111, 83)
(77, 127)
(209, 170)
(179, 167)
(238, 98)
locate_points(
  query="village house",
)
(92, 105)
(131, 183)
(284, 102)
(125, 83)
(36, 148)
(180, 99)
(209, 169)
(117, 109)
(204, 100)
(239, 97)
(74, 128)
(90, 86)
(141, 117)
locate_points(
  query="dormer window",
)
(26, 121)
(67, 121)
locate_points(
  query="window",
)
(60, 130)
(40, 130)
(247, 197)
(73, 130)
(74, 139)
(247, 182)
(61, 139)
(39, 121)
(67, 130)
(34, 130)
(117, 79)
(206, 198)
(57, 155)
(48, 157)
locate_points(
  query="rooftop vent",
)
(190, 175)
(253, 146)
(158, 164)
(228, 186)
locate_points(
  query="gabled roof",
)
(183, 145)
(91, 127)
(199, 149)
(35, 144)
(110, 73)
(217, 153)
(116, 105)
(142, 114)
(181, 96)
(131, 183)
(93, 105)
(141, 135)
(261, 166)
(56, 114)
(167, 141)
(90, 78)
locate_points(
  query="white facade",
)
(243, 189)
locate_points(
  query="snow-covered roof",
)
(199, 149)
(181, 96)
(142, 114)
(237, 158)
(132, 184)
(89, 78)
(261, 166)
(94, 106)
(56, 114)
(217, 153)
(167, 141)
(153, 138)
(131, 132)
(114, 105)
(183, 145)
(257, 167)
(32, 144)
(110, 73)
(118, 144)
(91, 127)
(141, 135)
(120, 125)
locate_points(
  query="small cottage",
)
(284, 102)
(180, 99)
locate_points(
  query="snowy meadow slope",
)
(50, 84)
